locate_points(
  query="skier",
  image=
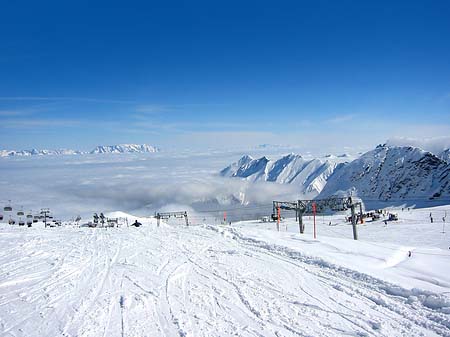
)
(136, 224)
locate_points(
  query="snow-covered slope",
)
(125, 148)
(241, 280)
(445, 155)
(309, 175)
(392, 173)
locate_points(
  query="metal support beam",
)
(168, 215)
(355, 232)
(316, 206)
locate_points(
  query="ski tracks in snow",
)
(193, 281)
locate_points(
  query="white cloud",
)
(38, 123)
(14, 113)
(58, 98)
(342, 118)
(432, 144)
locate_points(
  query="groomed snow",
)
(240, 280)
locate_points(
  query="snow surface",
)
(240, 280)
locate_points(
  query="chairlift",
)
(8, 207)
(1, 217)
(44, 211)
(29, 215)
(20, 213)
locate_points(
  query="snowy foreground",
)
(244, 280)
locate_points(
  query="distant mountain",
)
(309, 175)
(121, 148)
(385, 173)
(125, 148)
(35, 152)
(392, 173)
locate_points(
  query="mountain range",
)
(385, 173)
(309, 175)
(125, 148)
(120, 148)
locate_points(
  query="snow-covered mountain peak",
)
(121, 148)
(36, 152)
(384, 173)
(309, 175)
(125, 148)
(392, 173)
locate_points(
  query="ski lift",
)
(8, 207)
(1, 217)
(29, 215)
(20, 213)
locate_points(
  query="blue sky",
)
(217, 74)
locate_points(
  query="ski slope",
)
(206, 280)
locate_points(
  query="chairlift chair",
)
(7, 209)
(20, 212)
(1, 217)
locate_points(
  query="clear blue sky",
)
(180, 74)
